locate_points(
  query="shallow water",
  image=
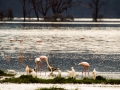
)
(65, 44)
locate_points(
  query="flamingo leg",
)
(88, 73)
(45, 70)
(37, 67)
(82, 72)
(43, 67)
(85, 72)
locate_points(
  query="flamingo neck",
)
(48, 63)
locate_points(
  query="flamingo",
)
(20, 40)
(45, 58)
(21, 58)
(85, 66)
(11, 40)
(39, 41)
(37, 61)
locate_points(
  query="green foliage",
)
(1, 72)
(60, 80)
(100, 78)
(51, 88)
(113, 81)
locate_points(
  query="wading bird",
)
(51, 69)
(59, 72)
(43, 58)
(10, 71)
(86, 66)
(94, 73)
(11, 41)
(28, 70)
(73, 72)
(20, 40)
(70, 73)
(39, 41)
(37, 61)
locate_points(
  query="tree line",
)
(56, 7)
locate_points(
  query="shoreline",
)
(13, 86)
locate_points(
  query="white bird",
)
(33, 73)
(94, 73)
(73, 72)
(10, 71)
(70, 74)
(59, 73)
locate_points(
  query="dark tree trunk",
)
(96, 11)
(35, 9)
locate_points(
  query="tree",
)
(59, 6)
(24, 4)
(10, 14)
(96, 5)
(34, 2)
(43, 6)
(1, 15)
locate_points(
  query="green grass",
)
(30, 79)
(51, 88)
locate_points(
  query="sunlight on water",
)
(64, 44)
(81, 41)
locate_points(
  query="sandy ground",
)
(10, 86)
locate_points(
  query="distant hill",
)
(109, 10)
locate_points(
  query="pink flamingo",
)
(20, 40)
(11, 41)
(43, 58)
(37, 61)
(39, 41)
(85, 66)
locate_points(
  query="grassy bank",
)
(57, 80)
(51, 88)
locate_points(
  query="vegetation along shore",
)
(56, 80)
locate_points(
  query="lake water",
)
(65, 43)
